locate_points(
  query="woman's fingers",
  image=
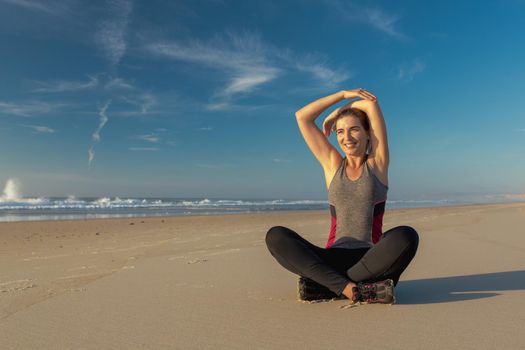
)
(360, 93)
(327, 126)
(326, 129)
(366, 94)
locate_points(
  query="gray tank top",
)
(357, 208)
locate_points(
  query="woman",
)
(359, 262)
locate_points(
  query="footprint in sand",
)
(195, 261)
(16, 286)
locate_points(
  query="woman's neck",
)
(355, 162)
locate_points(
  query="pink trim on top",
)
(377, 225)
(331, 235)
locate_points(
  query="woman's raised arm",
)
(316, 140)
(313, 136)
(378, 134)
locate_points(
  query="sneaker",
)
(381, 292)
(309, 290)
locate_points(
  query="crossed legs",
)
(336, 268)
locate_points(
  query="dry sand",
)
(209, 282)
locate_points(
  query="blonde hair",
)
(353, 112)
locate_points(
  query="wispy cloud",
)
(243, 56)
(119, 83)
(327, 76)
(227, 105)
(144, 101)
(66, 86)
(280, 160)
(111, 33)
(249, 79)
(248, 62)
(521, 129)
(384, 22)
(149, 137)
(38, 129)
(49, 7)
(29, 108)
(96, 135)
(409, 70)
(373, 16)
(102, 122)
(218, 106)
(99, 80)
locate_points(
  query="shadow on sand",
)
(457, 288)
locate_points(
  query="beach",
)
(203, 282)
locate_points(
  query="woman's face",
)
(352, 137)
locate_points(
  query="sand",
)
(210, 282)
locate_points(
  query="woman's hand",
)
(367, 99)
(356, 93)
(328, 122)
(364, 105)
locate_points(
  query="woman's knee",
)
(406, 235)
(276, 235)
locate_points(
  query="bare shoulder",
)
(379, 170)
(333, 165)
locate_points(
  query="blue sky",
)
(197, 98)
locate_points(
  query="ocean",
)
(67, 208)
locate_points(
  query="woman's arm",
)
(313, 136)
(378, 134)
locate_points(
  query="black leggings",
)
(334, 268)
